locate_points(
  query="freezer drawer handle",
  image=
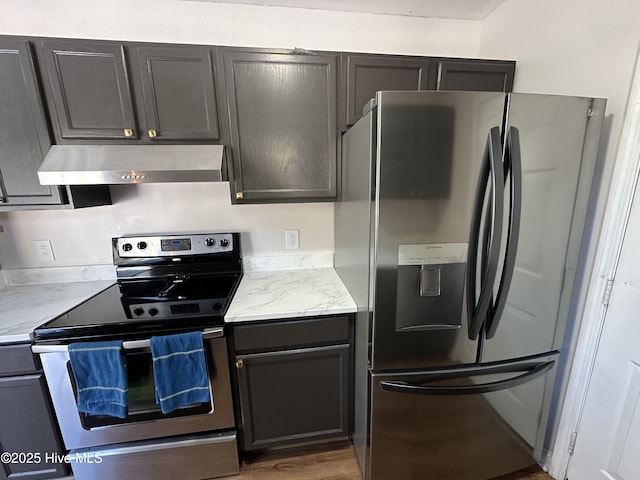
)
(531, 371)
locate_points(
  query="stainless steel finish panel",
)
(187, 458)
(352, 258)
(123, 164)
(429, 154)
(75, 435)
(174, 245)
(455, 436)
(557, 172)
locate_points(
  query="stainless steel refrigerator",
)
(458, 235)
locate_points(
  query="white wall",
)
(569, 47)
(82, 236)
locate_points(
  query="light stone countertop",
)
(31, 297)
(271, 295)
(272, 288)
(25, 307)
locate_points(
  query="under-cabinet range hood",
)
(122, 164)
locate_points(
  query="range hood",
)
(122, 164)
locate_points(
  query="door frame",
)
(594, 298)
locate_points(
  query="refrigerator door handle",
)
(514, 165)
(531, 371)
(474, 237)
(477, 310)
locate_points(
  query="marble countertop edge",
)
(288, 314)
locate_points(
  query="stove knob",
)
(127, 247)
(138, 311)
(210, 242)
(142, 245)
(153, 312)
(224, 242)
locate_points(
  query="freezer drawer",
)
(465, 424)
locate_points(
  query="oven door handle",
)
(127, 345)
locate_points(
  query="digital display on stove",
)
(185, 308)
(175, 245)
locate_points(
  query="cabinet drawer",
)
(295, 333)
(195, 456)
(16, 359)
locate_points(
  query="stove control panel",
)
(174, 245)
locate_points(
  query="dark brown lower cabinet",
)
(29, 443)
(295, 394)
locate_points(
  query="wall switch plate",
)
(292, 239)
(44, 252)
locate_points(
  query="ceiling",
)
(450, 9)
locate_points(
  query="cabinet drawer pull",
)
(152, 133)
(128, 132)
(239, 363)
(239, 195)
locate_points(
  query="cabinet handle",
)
(239, 195)
(152, 133)
(128, 132)
(239, 363)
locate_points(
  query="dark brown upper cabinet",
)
(476, 75)
(111, 92)
(282, 108)
(364, 75)
(24, 135)
(178, 93)
(25, 139)
(90, 89)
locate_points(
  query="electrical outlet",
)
(292, 239)
(44, 252)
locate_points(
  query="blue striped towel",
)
(101, 378)
(179, 370)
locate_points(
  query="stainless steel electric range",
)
(165, 284)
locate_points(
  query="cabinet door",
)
(24, 136)
(283, 125)
(27, 427)
(179, 93)
(476, 75)
(294, 396)
(367, 74)
(91, 91)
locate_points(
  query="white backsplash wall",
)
(83, 236)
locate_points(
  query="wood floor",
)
(335, 461)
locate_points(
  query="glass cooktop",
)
(110, 315)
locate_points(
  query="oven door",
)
(145, 420)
